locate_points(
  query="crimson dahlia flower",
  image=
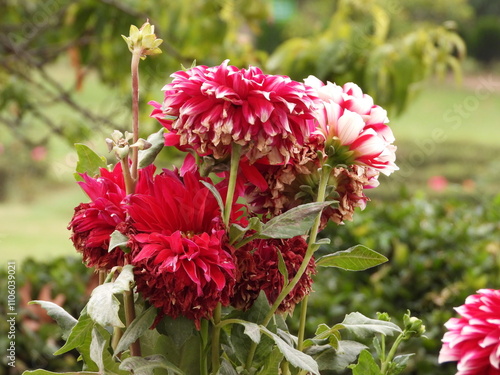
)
(209, 108)
(474, 339)
(183, 264)
(349, 121)
(93, 222)
(257, 264)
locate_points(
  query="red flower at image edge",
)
(257, 264)
(209, 108)
(182, 265)
(94, 222)
(474, 339)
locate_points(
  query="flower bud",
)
(413, 326)
(143, 40)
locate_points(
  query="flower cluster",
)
(293, 139)
(474, 339)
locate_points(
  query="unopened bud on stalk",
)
(143, 40)
(141, 144)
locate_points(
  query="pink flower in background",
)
(208, 109)
(438, 183)
(349, 121)
(474, 339)
(39, 153)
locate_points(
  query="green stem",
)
(302, 323)
(311, 247)
(216, 340)
(203, 346)
(233, 174)
(128, 301)
(129, 181)
(392, 353)
(134, 68)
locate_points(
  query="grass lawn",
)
(448, 131)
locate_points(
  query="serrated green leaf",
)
(88, 161)
(272, 363)
(103, 306)
(117, 239)
(80, 339)
(295, 357)
(147, 157)
(295, 222)
(180, 329)
(356, 258)
(61, 316)
(363, 327)
(100, 354)
(337, 359)
(125, 279)
(78, 334)
(366, 365)
(135, 330)
(226, 368)
(146, 365)
(45, 372)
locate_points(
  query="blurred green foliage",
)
(65, 281)
(440, 251)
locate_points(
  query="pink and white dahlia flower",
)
(354, 126)
(474, 339)
(210, 108)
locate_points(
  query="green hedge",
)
(440, 251)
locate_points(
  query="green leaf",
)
(295, 222)
(356, 258)
(336, 359)
(80, 338)
(140, 325)
(146, 365)
(292, 355)
(282, 267)
(61, 316)
(78, 334)
(237, 231)
(216, 194)
(147, 157)
(88, 161)
(272, 363)
(45, 372)
(399, 363)
(366, 365)
(103, 307)
(100, 354)
(180, 329)
(226, 368)
(117, 239)
(364, 327)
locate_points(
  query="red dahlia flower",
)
(183, 264)
(349, 121)
(474, 339)
(208, 109)
(257, 264)
(93, 223)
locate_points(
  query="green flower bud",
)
(143, 40)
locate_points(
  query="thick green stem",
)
(311, 247)
(134, 67)
(128, 301)
(233, 174)
(216, 340)
(203, 347)
(302, 323)
(129, 181)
